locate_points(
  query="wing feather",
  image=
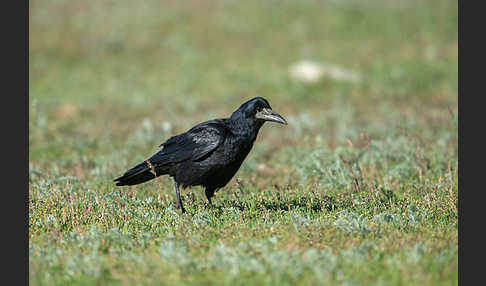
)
(195, 144)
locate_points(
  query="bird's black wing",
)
(195, 144)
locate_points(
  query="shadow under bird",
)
(209, 154)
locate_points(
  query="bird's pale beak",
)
(269, 115)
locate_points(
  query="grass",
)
(359, 189)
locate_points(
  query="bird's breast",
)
(219, 167)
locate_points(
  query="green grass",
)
(359, 189)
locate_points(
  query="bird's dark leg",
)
(179, 201)
(209, 195)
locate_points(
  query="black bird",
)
(209, 154)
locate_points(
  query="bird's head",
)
(259, 110)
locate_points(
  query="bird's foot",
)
(178, 206)
(183, 210)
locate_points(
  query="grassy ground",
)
(359, 189)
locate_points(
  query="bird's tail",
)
(140, 173)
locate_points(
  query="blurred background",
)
(101, 71)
